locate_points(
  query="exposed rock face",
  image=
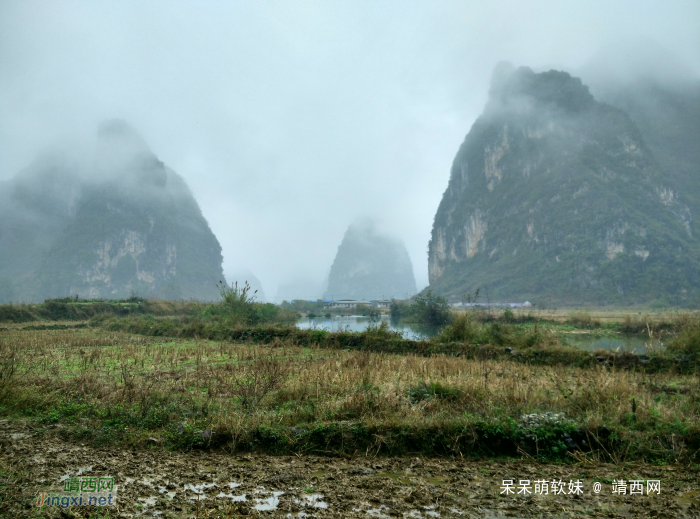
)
(556, 197)
(370, 265)
(130, 225)
(668, 117)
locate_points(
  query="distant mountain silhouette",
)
(126, 225)
(370, 265)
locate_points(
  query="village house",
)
(346, 303)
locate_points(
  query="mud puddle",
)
(158, 483)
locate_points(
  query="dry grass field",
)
(115, 386)
(401, 434)
(193, 402)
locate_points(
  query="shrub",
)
(302, 305)
(428, 309)
(264, 375)
(238, 307)
(368, 311)
(398, 309)
(380, 331)
(464, 328)
(687, 342)
(429, 390)
(582, 319)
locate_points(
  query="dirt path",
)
(215, 484)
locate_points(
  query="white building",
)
(346, 303)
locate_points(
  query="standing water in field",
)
(625, 343)
(589, 342)
(356, 323)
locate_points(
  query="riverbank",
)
(526, 343)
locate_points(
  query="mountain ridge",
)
(370, 265)
(128, 224)
(555, 196)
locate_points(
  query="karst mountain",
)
(556, 196)
(370, 265)
(125, 224)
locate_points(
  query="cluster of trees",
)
(427, 309)
(301, 305)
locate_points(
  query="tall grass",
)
(582, 319)
(68, 309)
(239, 308)
(687, 341)
(464, 328)
(130, 387)
(470, 328)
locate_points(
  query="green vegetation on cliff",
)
(557, 198)
(126, 225)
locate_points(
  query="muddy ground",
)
(160, 483)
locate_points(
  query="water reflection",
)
(629, 343)
(356, 323)
(584, 341)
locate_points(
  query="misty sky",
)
(290, 120)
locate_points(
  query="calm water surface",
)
(353, 323)
(583, 341)
(631, 343)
